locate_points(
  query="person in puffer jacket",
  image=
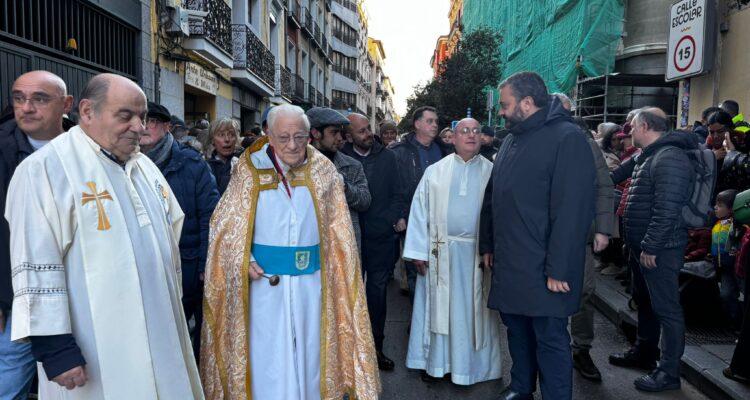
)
(657, 235)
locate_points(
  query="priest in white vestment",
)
(95, 263)
(452, 330)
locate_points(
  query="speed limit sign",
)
(684, 53)
(691, 38)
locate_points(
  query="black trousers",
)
(540, 346)
(656, 292)
(192, 302)
(376, 285)
(741, 359)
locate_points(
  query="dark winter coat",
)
(222, 172)
(410, 168)
(14, 148)
(195, 189)
(661, 185)
(537, 214)
(387, 201)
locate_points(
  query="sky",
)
(408, 30)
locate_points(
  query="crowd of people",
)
(145, 259)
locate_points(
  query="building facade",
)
(446, 44)
(380, 107)
(346, 57)
(202, 59)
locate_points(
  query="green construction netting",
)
(548, 36)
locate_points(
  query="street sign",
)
(692, 34)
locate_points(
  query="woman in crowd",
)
(607, 132)
(221, 153)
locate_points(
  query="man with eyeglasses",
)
(327, 127)
(40, 100)
(417, 151)
(452, 330)
(196, 191)
(285, 309)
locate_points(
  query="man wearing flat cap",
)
(327, 134)
(195, 188)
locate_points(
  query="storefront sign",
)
(691, 38)
(201, 78)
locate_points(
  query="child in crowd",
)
(724, 252)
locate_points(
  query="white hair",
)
(287, 110)
(565, 100)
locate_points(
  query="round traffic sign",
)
(684, 53)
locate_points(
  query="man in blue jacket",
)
(535, 222)
(194, 186)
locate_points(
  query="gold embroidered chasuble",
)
(347, 353)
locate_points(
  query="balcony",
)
(327, 102)
(341, 104)
(283, 82)
(369, 111)
(319, 98)
(211, 36)
(307, 22)
(311, 94)
(294, 13)
(298, 89)
(253, 62)
(316, 33)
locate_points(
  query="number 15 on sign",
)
(684, 53)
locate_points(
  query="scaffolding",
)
(609, 98)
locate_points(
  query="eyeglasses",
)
(298, 139)
(466, 131)
(37, 100)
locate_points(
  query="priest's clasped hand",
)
(421, 266)
(557, 286)
(255, 271)
(72, 378)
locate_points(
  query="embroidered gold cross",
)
(436, 252)
(97, 197)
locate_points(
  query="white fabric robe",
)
(113, 284)
(452, 330)
(284, 329)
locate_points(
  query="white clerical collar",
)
(471, 160)
(36, 144)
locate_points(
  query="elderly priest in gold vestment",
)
(285, 311)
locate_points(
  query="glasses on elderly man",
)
(298, 139)
(37, 100)
(465, 131)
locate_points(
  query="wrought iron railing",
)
(320, 99)
(341, 104)
(250, 53)
(216, 26)
(308, 22)
(311, 94)
(294, 11)
(298, 86)
(102, 39)
(327, 102)
(283, 81)
(317, 33)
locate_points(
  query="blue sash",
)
(280, 260)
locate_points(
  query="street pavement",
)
(402, 383)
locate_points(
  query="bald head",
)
(113, 112)
(359, 132)
(39, 101)
(470, 122)
(649, 124)
(468, 138)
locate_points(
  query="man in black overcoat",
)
(378, 223)
(535, 222)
